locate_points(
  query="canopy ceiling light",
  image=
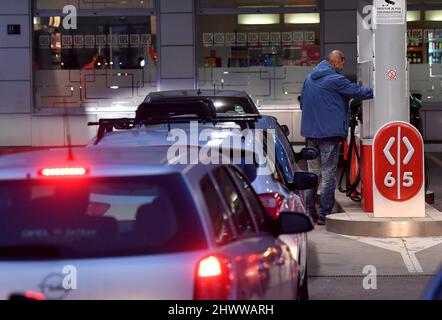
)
(264, 18)
(414, 15)
(433, 15)
(302, 18)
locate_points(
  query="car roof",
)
(162, 136)
(106, 162)
(197, 93)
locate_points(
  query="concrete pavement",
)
(336, 263)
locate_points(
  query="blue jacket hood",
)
(323, 69)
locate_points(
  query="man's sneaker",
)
(314, 216)
(321, 220)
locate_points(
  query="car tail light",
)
(61, 172)
(213, 279)
(30, 295)
(272, 202)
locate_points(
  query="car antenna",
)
(68, 132)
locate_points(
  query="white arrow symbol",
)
(410, 150)
(387, 151)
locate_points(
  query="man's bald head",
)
(336, 58)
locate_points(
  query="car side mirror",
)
(285, 130)
(294, 223)
(304, 181)
(307, 154)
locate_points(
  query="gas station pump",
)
(383, 66)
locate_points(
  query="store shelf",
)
(415, 49)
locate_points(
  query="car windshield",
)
(59, 218)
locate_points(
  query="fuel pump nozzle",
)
(355, 112)
(415, 107)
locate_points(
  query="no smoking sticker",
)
(392, 75)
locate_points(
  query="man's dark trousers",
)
(325, 166)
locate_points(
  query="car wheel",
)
(303, 289)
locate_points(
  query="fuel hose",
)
(350, 187)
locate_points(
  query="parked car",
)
(279, 189)
(123, 223)
(225, 101)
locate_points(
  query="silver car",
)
(125, 223)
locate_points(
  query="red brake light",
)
(213, 279)
(34, 295)
(272, 202)
(209, 267)
(61, 172)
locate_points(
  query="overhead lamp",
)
(414, 15)
(302, 18)
(258, 18)
(433, 15)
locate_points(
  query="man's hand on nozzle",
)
(355, 103)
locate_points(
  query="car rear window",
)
(59, 218)
(222, 104)
(233, 105)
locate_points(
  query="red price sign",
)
(398, 161)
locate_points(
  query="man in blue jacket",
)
(325, 104)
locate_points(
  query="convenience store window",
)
(106, 60)
(425, 34)
(93, 4)
(258, 40)
(119, 42)
(424, 52)
(255, 3)
(267, 54)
